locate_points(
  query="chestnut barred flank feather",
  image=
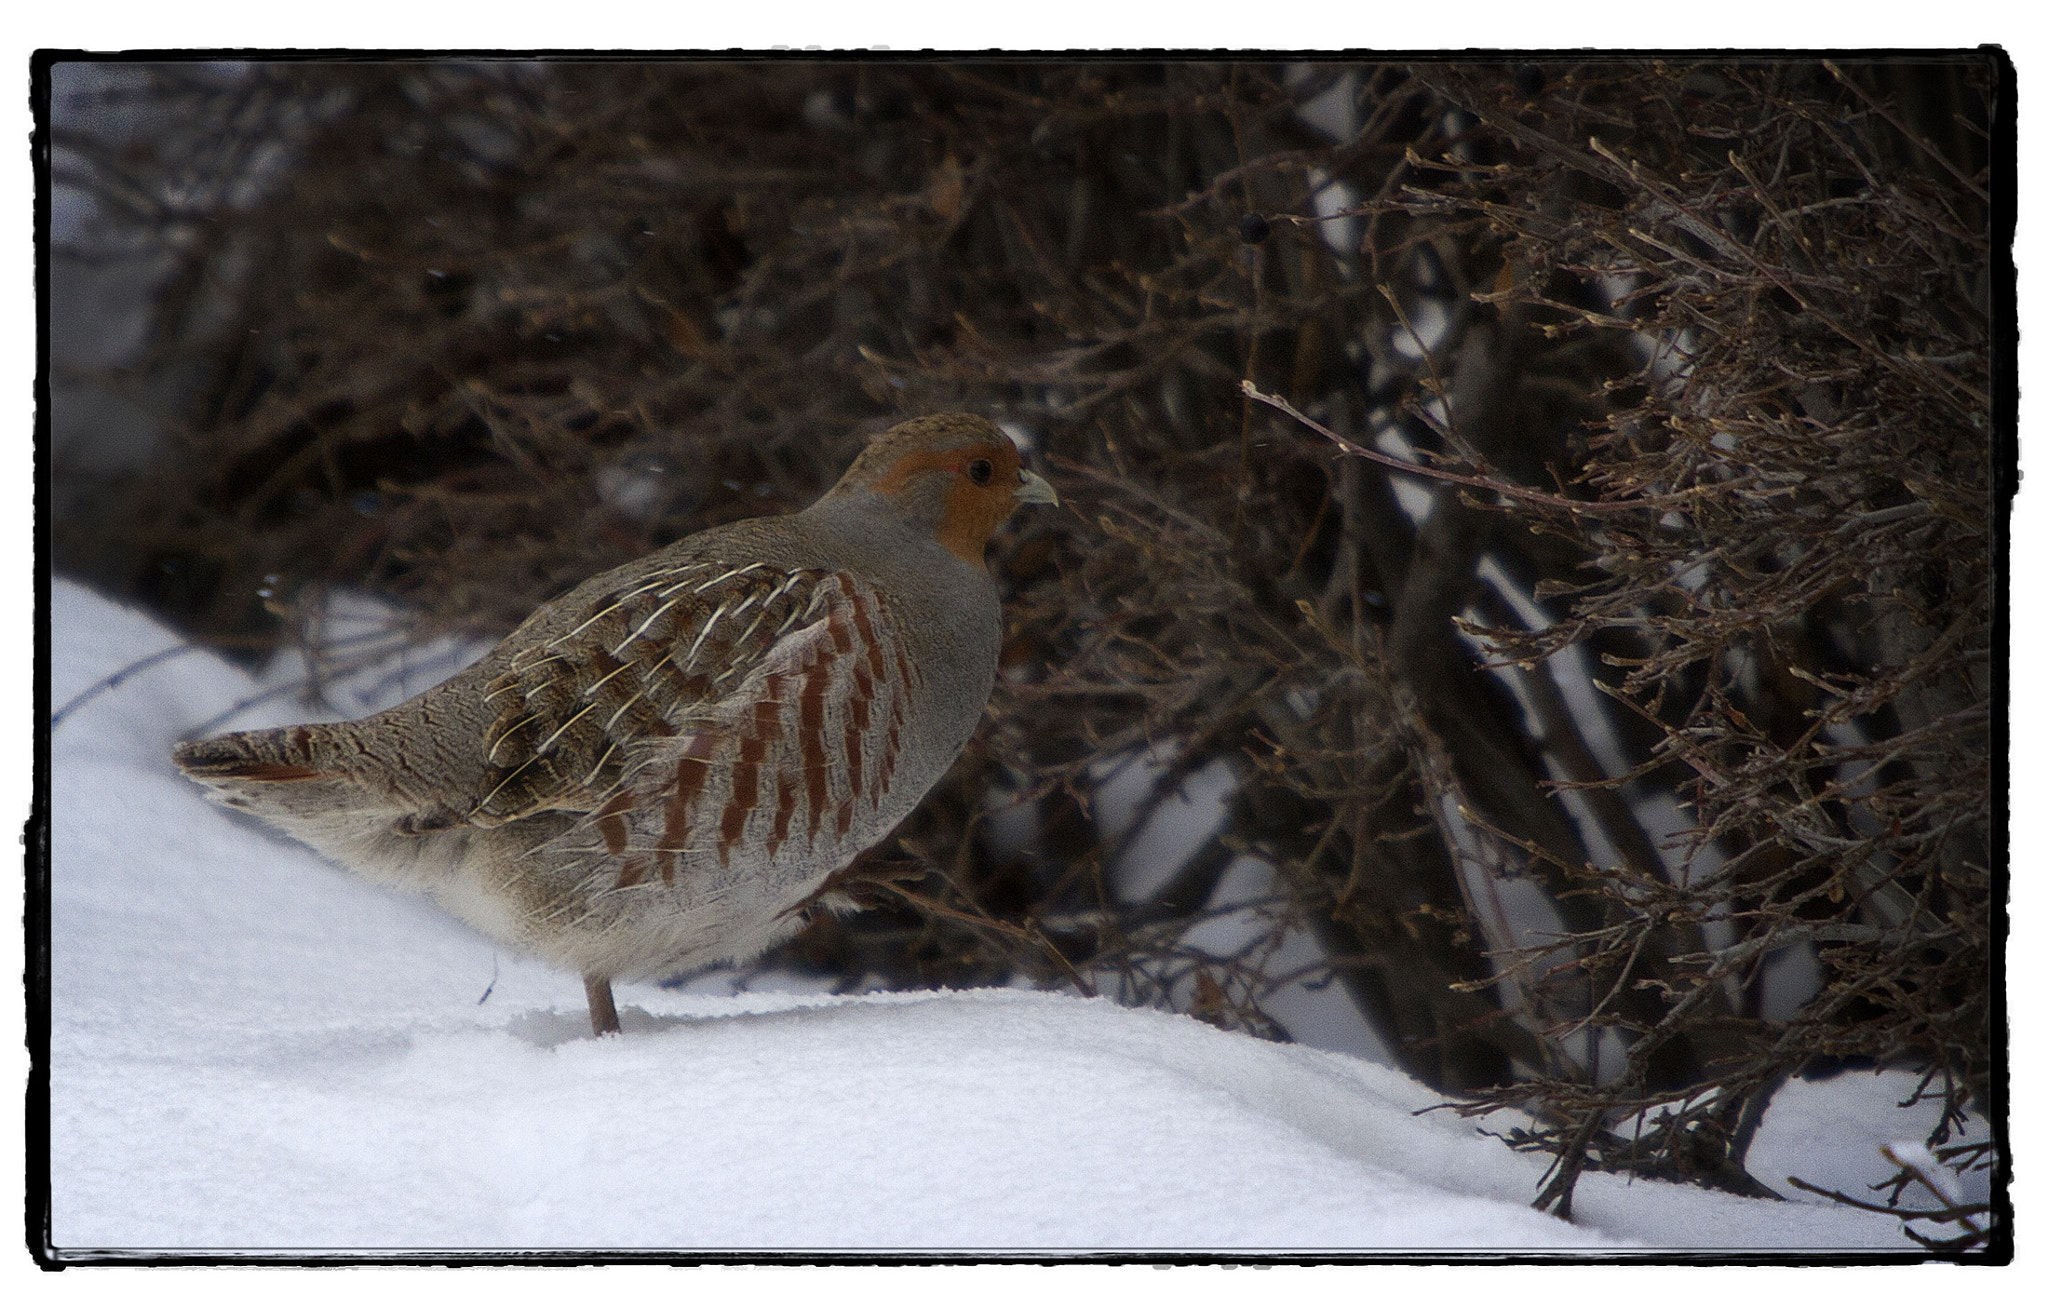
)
(631, 669)
(795, 761)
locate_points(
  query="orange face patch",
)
(972, 510)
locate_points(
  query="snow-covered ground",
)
(252, 1050)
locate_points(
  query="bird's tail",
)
(287, 776)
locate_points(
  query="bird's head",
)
(956, 475)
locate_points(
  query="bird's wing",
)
(708, 700)
(803, 746)
(638, 661)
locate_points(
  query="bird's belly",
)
(728, 888)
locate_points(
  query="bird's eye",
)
(980, 471)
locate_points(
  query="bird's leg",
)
(604, 1015)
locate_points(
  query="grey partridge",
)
(655, 770)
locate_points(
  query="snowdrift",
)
(253, 1051)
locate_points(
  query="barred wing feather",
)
(640, 660)
(792, 762)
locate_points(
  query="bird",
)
(658, 769)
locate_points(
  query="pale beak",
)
(1034, 489)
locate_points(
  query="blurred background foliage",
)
(1645, 765)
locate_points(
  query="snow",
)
(253, 1051)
